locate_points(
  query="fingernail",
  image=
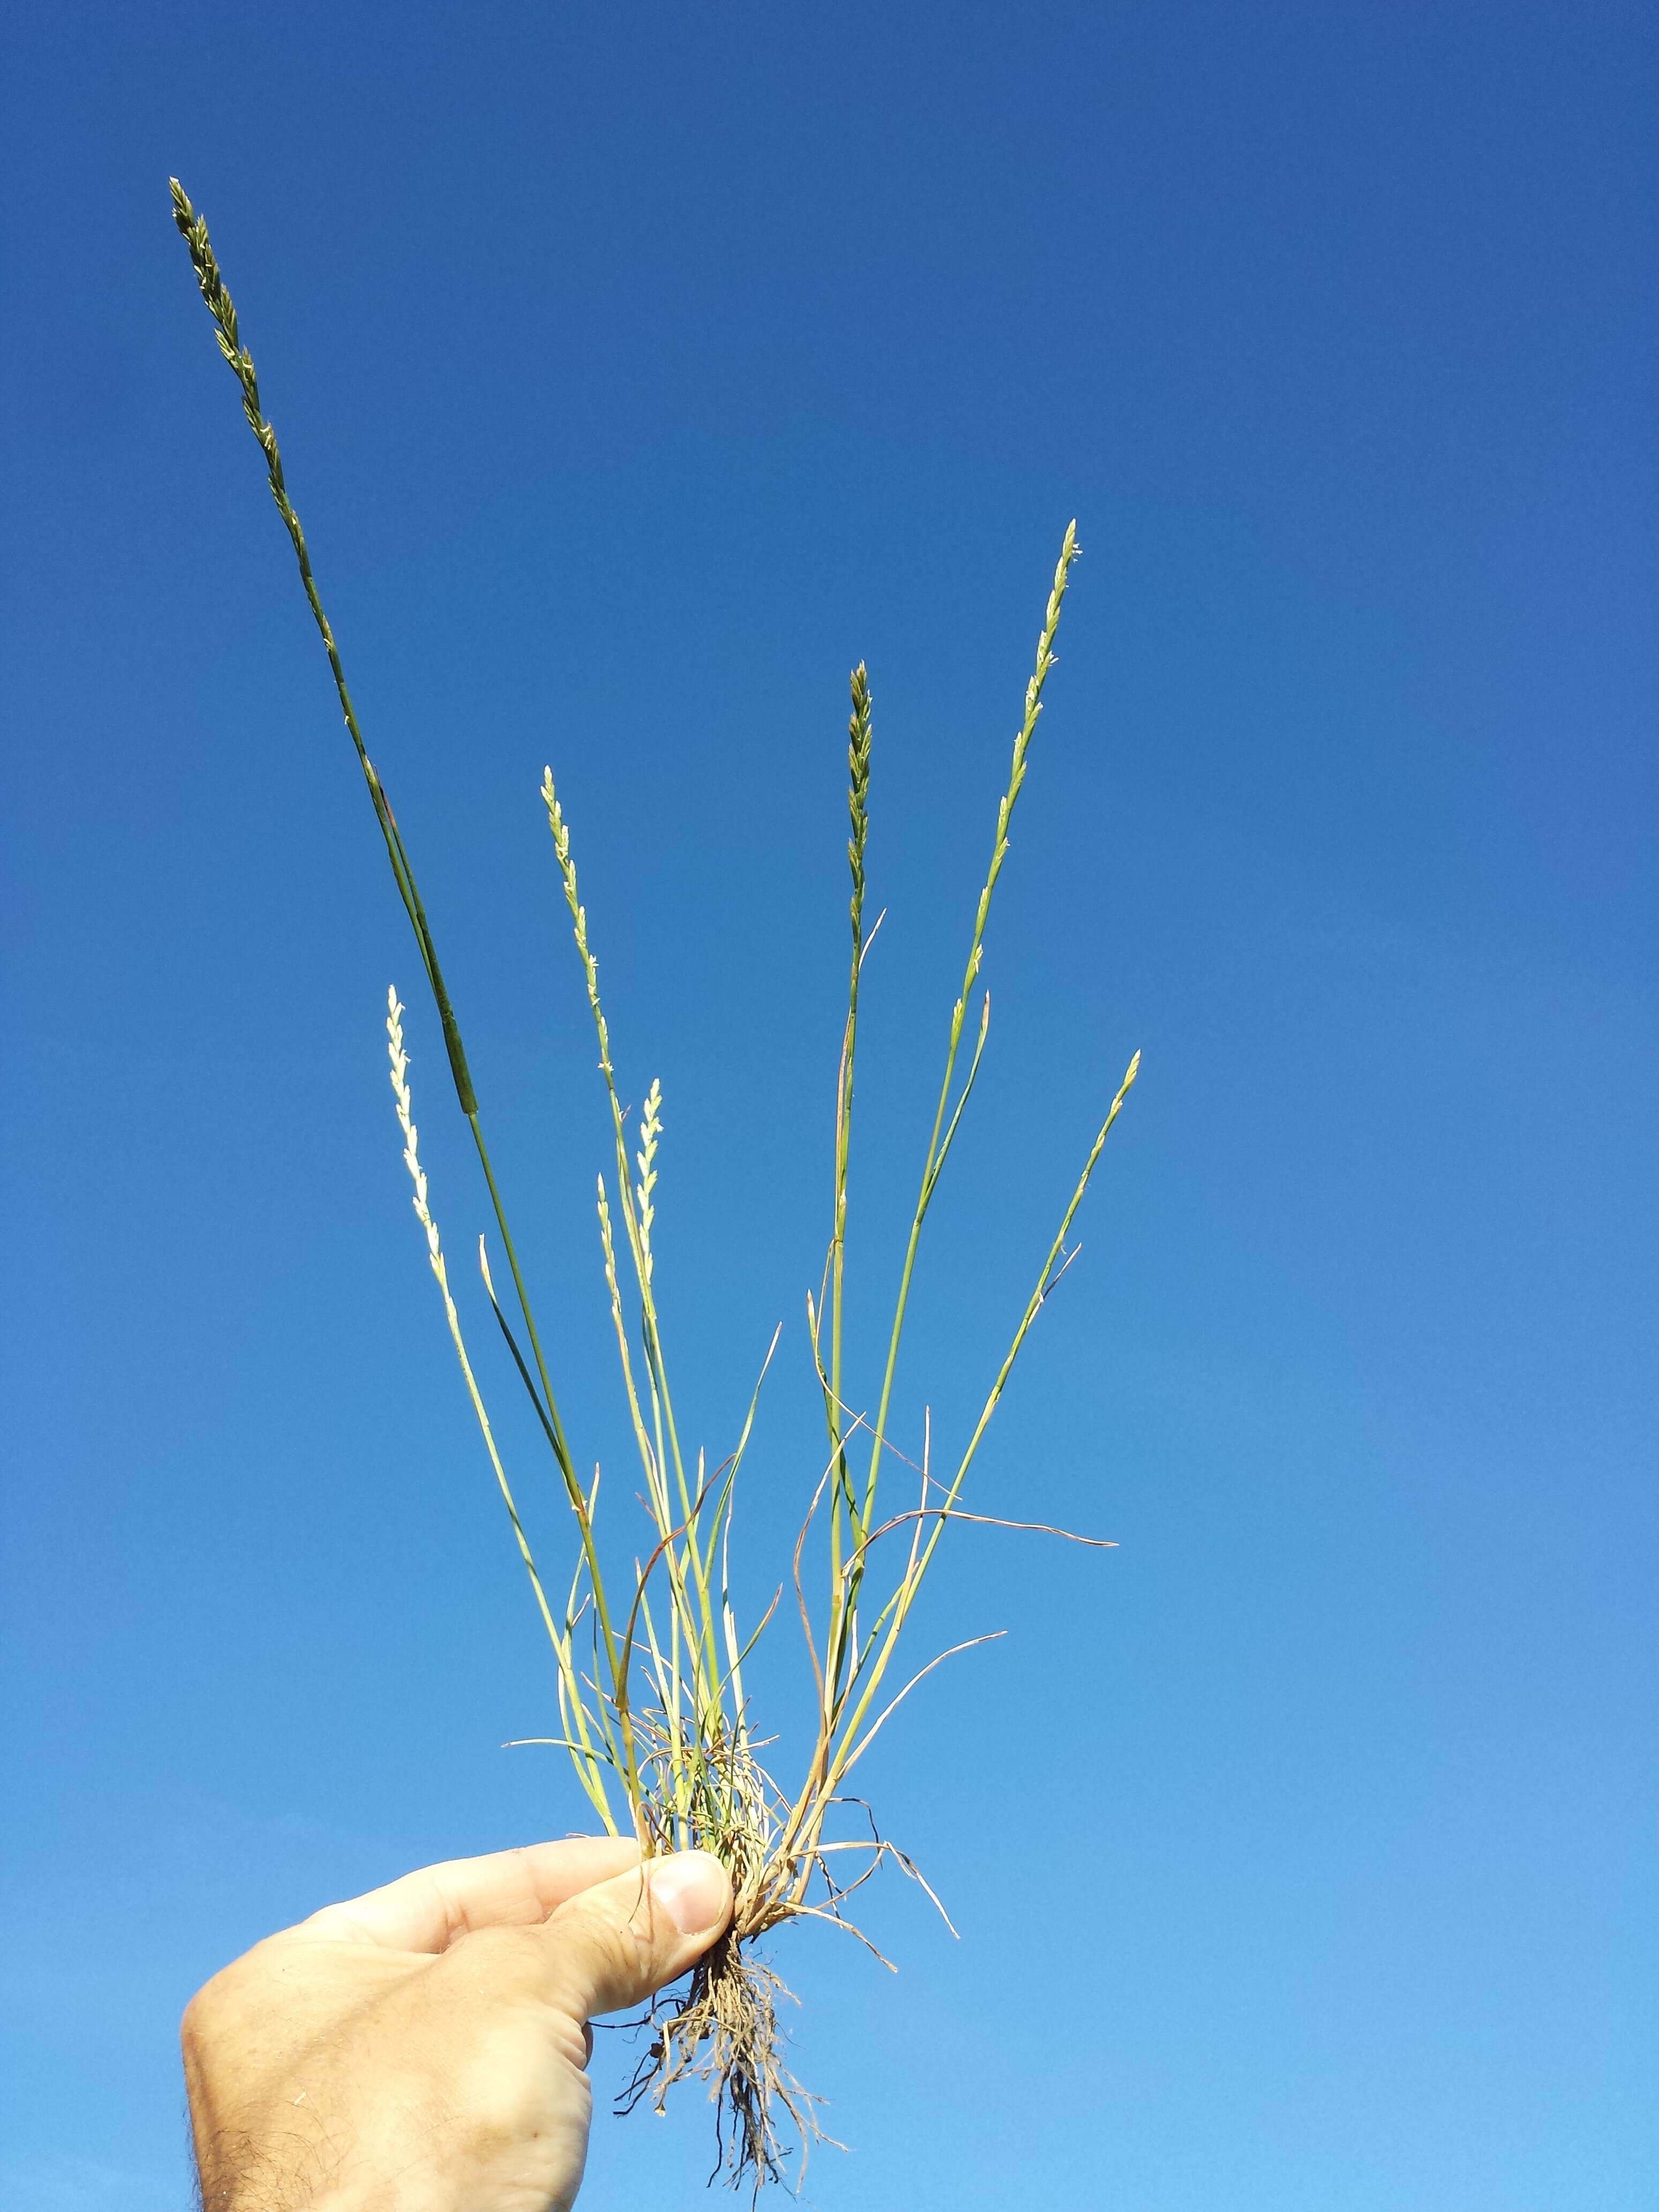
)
(692, 1889)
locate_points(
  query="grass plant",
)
(654, 1710)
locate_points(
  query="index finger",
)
(429, 1910)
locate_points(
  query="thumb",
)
(617, 1943)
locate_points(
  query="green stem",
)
(939, 1141)
(222, 308)
(882, 1646)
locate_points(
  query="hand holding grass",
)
(425, 2046)
(654, 1709)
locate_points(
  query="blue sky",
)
(637, 371)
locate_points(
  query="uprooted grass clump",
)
(654, 1709)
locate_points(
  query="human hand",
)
(424, 2048)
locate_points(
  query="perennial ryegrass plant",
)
(655, 1710)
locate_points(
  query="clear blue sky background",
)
(638, 370)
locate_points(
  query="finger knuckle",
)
(508, 1957)
(621, 1952)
